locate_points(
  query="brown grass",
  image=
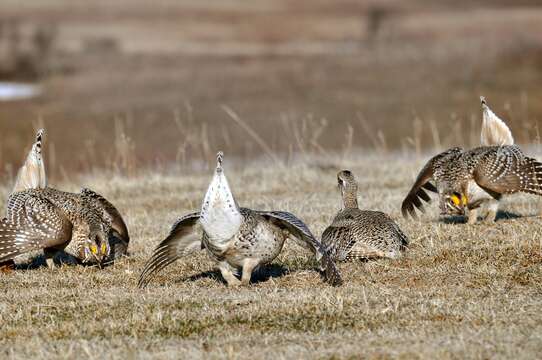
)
(167, 70)
(136, 99)
(460, 291)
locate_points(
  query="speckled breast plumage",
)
(256, 238)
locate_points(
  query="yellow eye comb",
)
(455, 200)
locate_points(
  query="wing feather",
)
(301, 231)
(506, 170)
(39, 225)
(183, 239)
(417, 193)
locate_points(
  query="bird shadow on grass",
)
(32, 264)
(453, 219)
(210, 274)
(261, 275)
(507, 215)
(501, 215)
(60, 259)
(268, 272)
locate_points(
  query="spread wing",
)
(506, 170)
(183, 239)
(39, 224)
(297, 228)
(417, 193)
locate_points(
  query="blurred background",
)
(130, 85)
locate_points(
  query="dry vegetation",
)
(460, 291)
(357, 67)
(139, 97)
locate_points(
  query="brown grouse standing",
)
(361, 234)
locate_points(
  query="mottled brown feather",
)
(417, 192)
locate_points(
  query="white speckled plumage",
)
(238, 239)
(220, 216)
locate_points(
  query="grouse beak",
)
(452, 210)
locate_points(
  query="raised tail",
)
(15, 241)
(39, 139)
(494, 130)
(32, 173)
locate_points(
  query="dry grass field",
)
(137, 98)
(459, 292)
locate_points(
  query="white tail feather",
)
(220, 215)
(32, 174)
(494, 130)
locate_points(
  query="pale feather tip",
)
(37, 144)
(39, 134)
(219, 159)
